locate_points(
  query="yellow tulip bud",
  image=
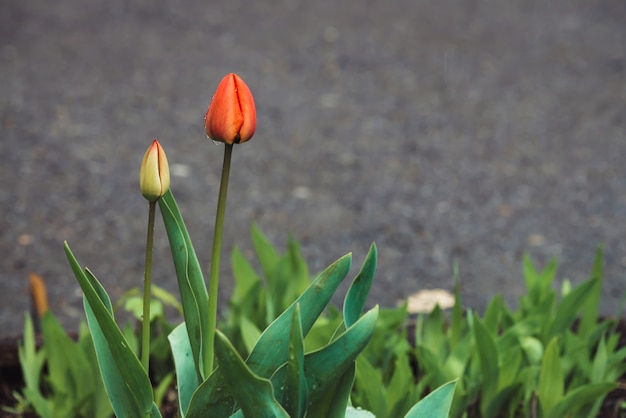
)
(154, 176)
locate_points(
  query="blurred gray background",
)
(471, 131)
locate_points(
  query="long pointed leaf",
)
(550, 390)
(295, 392)
(324, 367)
(489, 363)
(126, 381)
(193, 292)
(436, 404)
(570, 305)
(186, 376)
(359, 289)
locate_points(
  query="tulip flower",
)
(231, 116)
(154, 176)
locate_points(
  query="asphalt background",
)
(473, 131)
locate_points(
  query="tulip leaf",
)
(489, 363)
(577, 398)
(334, 402)
(193, 292)
(125, 380)
(550, 390)
(70, 373)
(295, 393)
(186, 377)
(253, 394)
(266, 253)
(436, 404)
(271, 350)
(570, 305)
(590, 310)
(324, 367)
(359, 289)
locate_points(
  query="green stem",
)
(215, 258)
(147, 278)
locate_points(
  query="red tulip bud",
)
(231, 116)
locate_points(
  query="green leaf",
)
(456, 324)
(589, 317)
(266, 253)
(489, 363)
(295, 393)
(551, 384)
(436, 404)
(31, 360)
(245, 276)
(100, 401)
(125, 379)
(253, 394)
(359, 289)
(193, 292)
(326, 366)
(371, 387)
(250, 334)
(70, 373)
(166, 297)
(290, 277)
(334, 402)
(569, 307)
(31, 363)
(433, 335)
(580, 397)
(134, 305)
(272, 348)
(186, 376)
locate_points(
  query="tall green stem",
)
(215, 257)
(147, 279)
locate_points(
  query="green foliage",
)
(258, 299)
(549, 358)
(279, 376)
(71, 386)
(383, 381)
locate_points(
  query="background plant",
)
(549, 358)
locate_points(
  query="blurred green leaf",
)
(489, 364)
(69, 371)
(576, 399)
(591, 307)
(569, 306)
(550, 390)
(266, 253)
(435, 405)
(371, 388)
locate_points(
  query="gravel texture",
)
(469, 131)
